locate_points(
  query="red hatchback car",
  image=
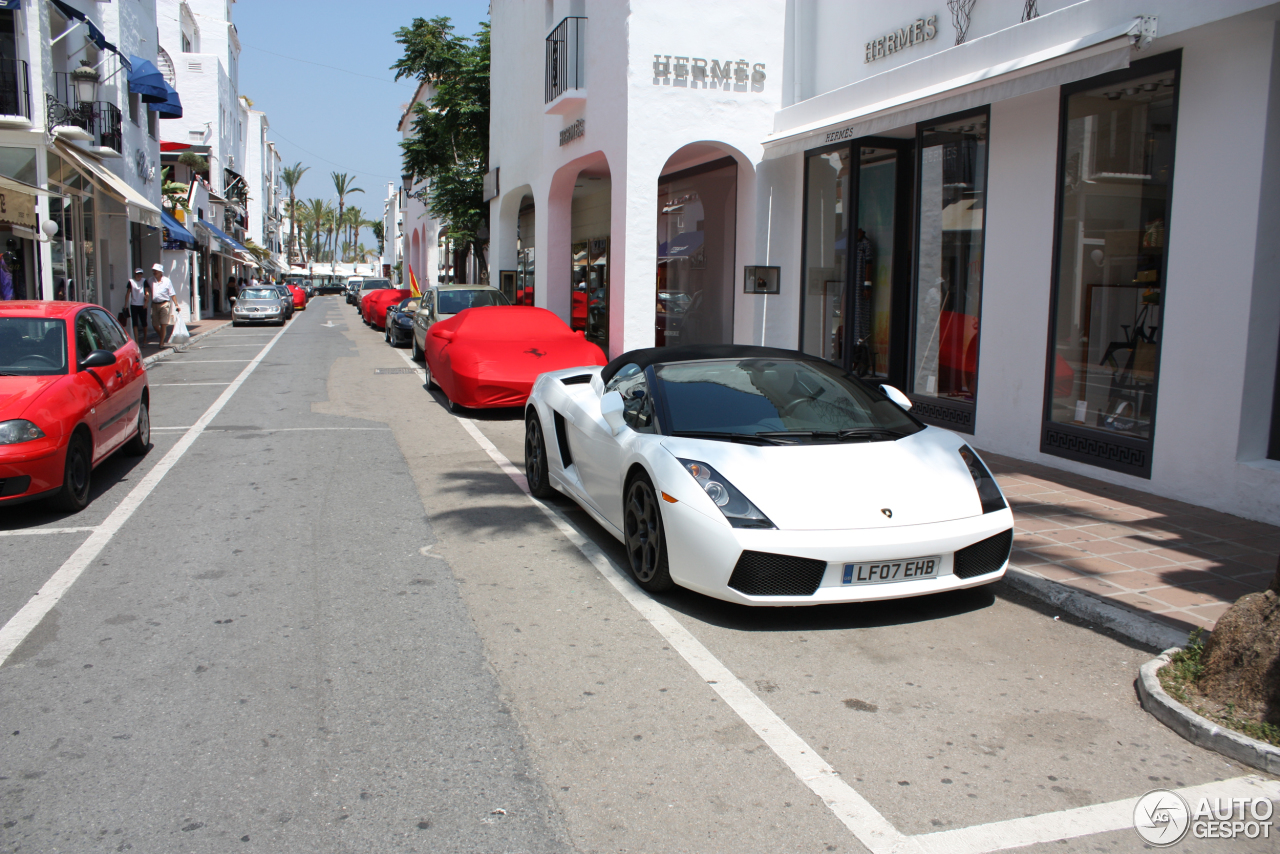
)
(73, 390)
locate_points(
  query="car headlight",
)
(735, 506)
(988, 491)
(17, 431)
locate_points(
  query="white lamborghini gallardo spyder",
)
(766, 477)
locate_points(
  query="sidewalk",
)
(207, 324)
(1182, 564)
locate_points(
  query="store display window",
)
(826, 253)
(1115, 177)
(950, 229)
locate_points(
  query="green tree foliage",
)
(450, 141)
(291, 175)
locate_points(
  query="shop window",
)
(697, 232)
(1115, 174)
(826, 243)
(589, 311)
(948, 282)
(135, 108)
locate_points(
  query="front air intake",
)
(984, 556)
(764, 574)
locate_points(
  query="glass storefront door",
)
(856, 270)
(589, 310)
(1117, 150)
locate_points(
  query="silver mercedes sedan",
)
(258, 305)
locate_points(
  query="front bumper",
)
(257, 317)
(703, 553)
(41, 461)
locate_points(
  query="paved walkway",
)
(1175, 561)
(208, 324)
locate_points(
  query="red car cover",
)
(375, 304)
(489, 356)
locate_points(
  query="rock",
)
(1242, 657)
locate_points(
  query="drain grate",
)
(394, 371)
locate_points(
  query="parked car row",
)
(267, 304)
(751, 474)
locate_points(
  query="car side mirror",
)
(98, 359)
(611, 409)
(896, 396)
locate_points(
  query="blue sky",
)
(330, 118)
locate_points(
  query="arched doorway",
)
(697, 246)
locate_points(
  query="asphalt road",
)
(336, 624)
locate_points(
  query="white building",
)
(392, 238)
(266, 202)
(980, 212)
(422, 236)
(87, 165)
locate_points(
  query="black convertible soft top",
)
(698, 352)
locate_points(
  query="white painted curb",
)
(1199, 730)
(1078, 603)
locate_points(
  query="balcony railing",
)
(102, 119)
(566, 58)
(15, 88)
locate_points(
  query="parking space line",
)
(156, 384)
(21, 624)
(154, 429)
(209, 361)
(857, 814)
(28, 532)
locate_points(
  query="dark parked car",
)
(399, 328)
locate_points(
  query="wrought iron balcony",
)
(102, 120)
(566, 58)
(15, 89)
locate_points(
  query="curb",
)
(155, 357)
(1078, 603)
(1198, 730)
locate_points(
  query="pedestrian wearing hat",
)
(139, 296)
(164, 302)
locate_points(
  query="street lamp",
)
(85, 78)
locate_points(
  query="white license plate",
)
(892, 570)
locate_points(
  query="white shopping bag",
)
(180, 334)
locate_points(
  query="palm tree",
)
(344, 184)
(291, 175)
(313, 211)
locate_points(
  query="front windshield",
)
(260, 293)
(375, 284)
(776, 397)
(452, 302)
(32, 346)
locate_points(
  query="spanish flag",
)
(414, 290)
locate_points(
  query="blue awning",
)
(170, 107)
(95, 35)
(176, 230)
(223, 236)
(682, 245)
(13, 5)
(147, 81)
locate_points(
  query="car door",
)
(597, 452)
(423, 319)
(91, 383)
(130, 377)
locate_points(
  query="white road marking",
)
(857, 814)
(208, 361)
(156, 384)
(154, 429)
(29, 616)
(290, 429)
(36, 531)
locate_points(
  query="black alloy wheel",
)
(141, 442)
(74, 495)
(535, 458)
(645, 541)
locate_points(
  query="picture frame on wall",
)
(761, 280)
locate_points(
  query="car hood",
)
(920, 479)
(17, 394)
(265, 303)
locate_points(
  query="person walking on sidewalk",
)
(164, 302)
(139, 296)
